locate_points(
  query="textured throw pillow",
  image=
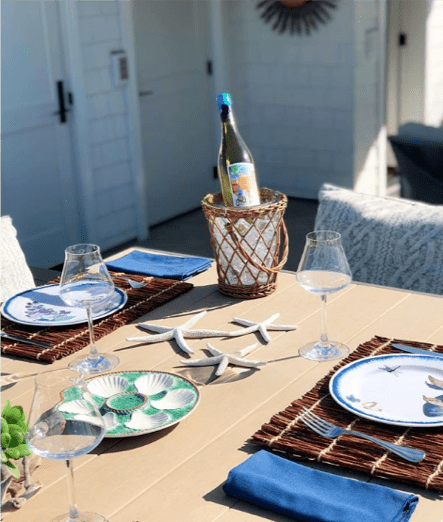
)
(15, 273)
(388, 241)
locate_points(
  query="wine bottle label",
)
(243, 185)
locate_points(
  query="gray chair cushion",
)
(388, 241)
(419, 152)
(421, 133)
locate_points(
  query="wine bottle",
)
(236, 167)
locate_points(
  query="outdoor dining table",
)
(177, 474)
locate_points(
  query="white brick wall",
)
(366, 97)
(114, 195)
(294, 97)
(434, 64)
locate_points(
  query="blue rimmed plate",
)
(402, 390)
(134, 402)
(43, 306)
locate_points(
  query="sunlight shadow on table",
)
(218, 496)
(205, 375)
(118, 444)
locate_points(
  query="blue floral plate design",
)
(43, 306)
(401, 390)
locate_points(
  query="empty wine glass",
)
(55, 434)
(323, 269)
(86, 282)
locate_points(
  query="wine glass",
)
(55, 434)
(323, 269)
(86, 282)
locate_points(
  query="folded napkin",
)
(311, 495)
(158, 265)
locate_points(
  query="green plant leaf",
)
(4, 457)
(12, 453)
(24, 450)
(6, 439)
(6, 407)
(14, 428)
(22, 424)
(5, 428)
(18, 410)
(13, 415)
(15, 471)
(17, 438)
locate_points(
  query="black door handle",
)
(61, 103)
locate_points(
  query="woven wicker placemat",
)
(70, 339)
(286, 434)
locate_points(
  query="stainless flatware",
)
(132, 283)
(418, 351)
(326, 429)
(18, 339)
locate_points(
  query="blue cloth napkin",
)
(159, 265)
(311, 495)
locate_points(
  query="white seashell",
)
(107, 385)
(141, 421)
(153, 383)
(77, 406)
(109, 419)
(174, 399)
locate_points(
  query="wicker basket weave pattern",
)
(247, 244)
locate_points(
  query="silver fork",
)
(326, 429)
(132, 283)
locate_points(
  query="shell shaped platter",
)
(134, 403)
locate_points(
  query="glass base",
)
(316, 352)
(87, 366)
(84, 516)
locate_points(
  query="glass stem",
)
(93, 354)
(73, 511)
(324, 341)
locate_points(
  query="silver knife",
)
(18, 339)
(419, 351)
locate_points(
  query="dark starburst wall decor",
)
(296, 16)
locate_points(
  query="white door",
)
(38, 189)
(405, 65)
(177, 105)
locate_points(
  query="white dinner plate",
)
(43, 306)
(403, 390)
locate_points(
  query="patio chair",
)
(388, 241)
(15, 274)
(419, 152)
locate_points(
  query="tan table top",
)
(177, 474)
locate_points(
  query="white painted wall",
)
(434, 64)
(176, 111)
(309, 107)
(293, 97)
(369, 137)
(0, 83)
(109, 162)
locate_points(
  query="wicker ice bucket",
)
(247, 243)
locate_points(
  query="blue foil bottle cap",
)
(224, 98)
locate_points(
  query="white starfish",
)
(222, 359)
(261, 327)
(166, 333)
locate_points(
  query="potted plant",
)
(13, 430)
